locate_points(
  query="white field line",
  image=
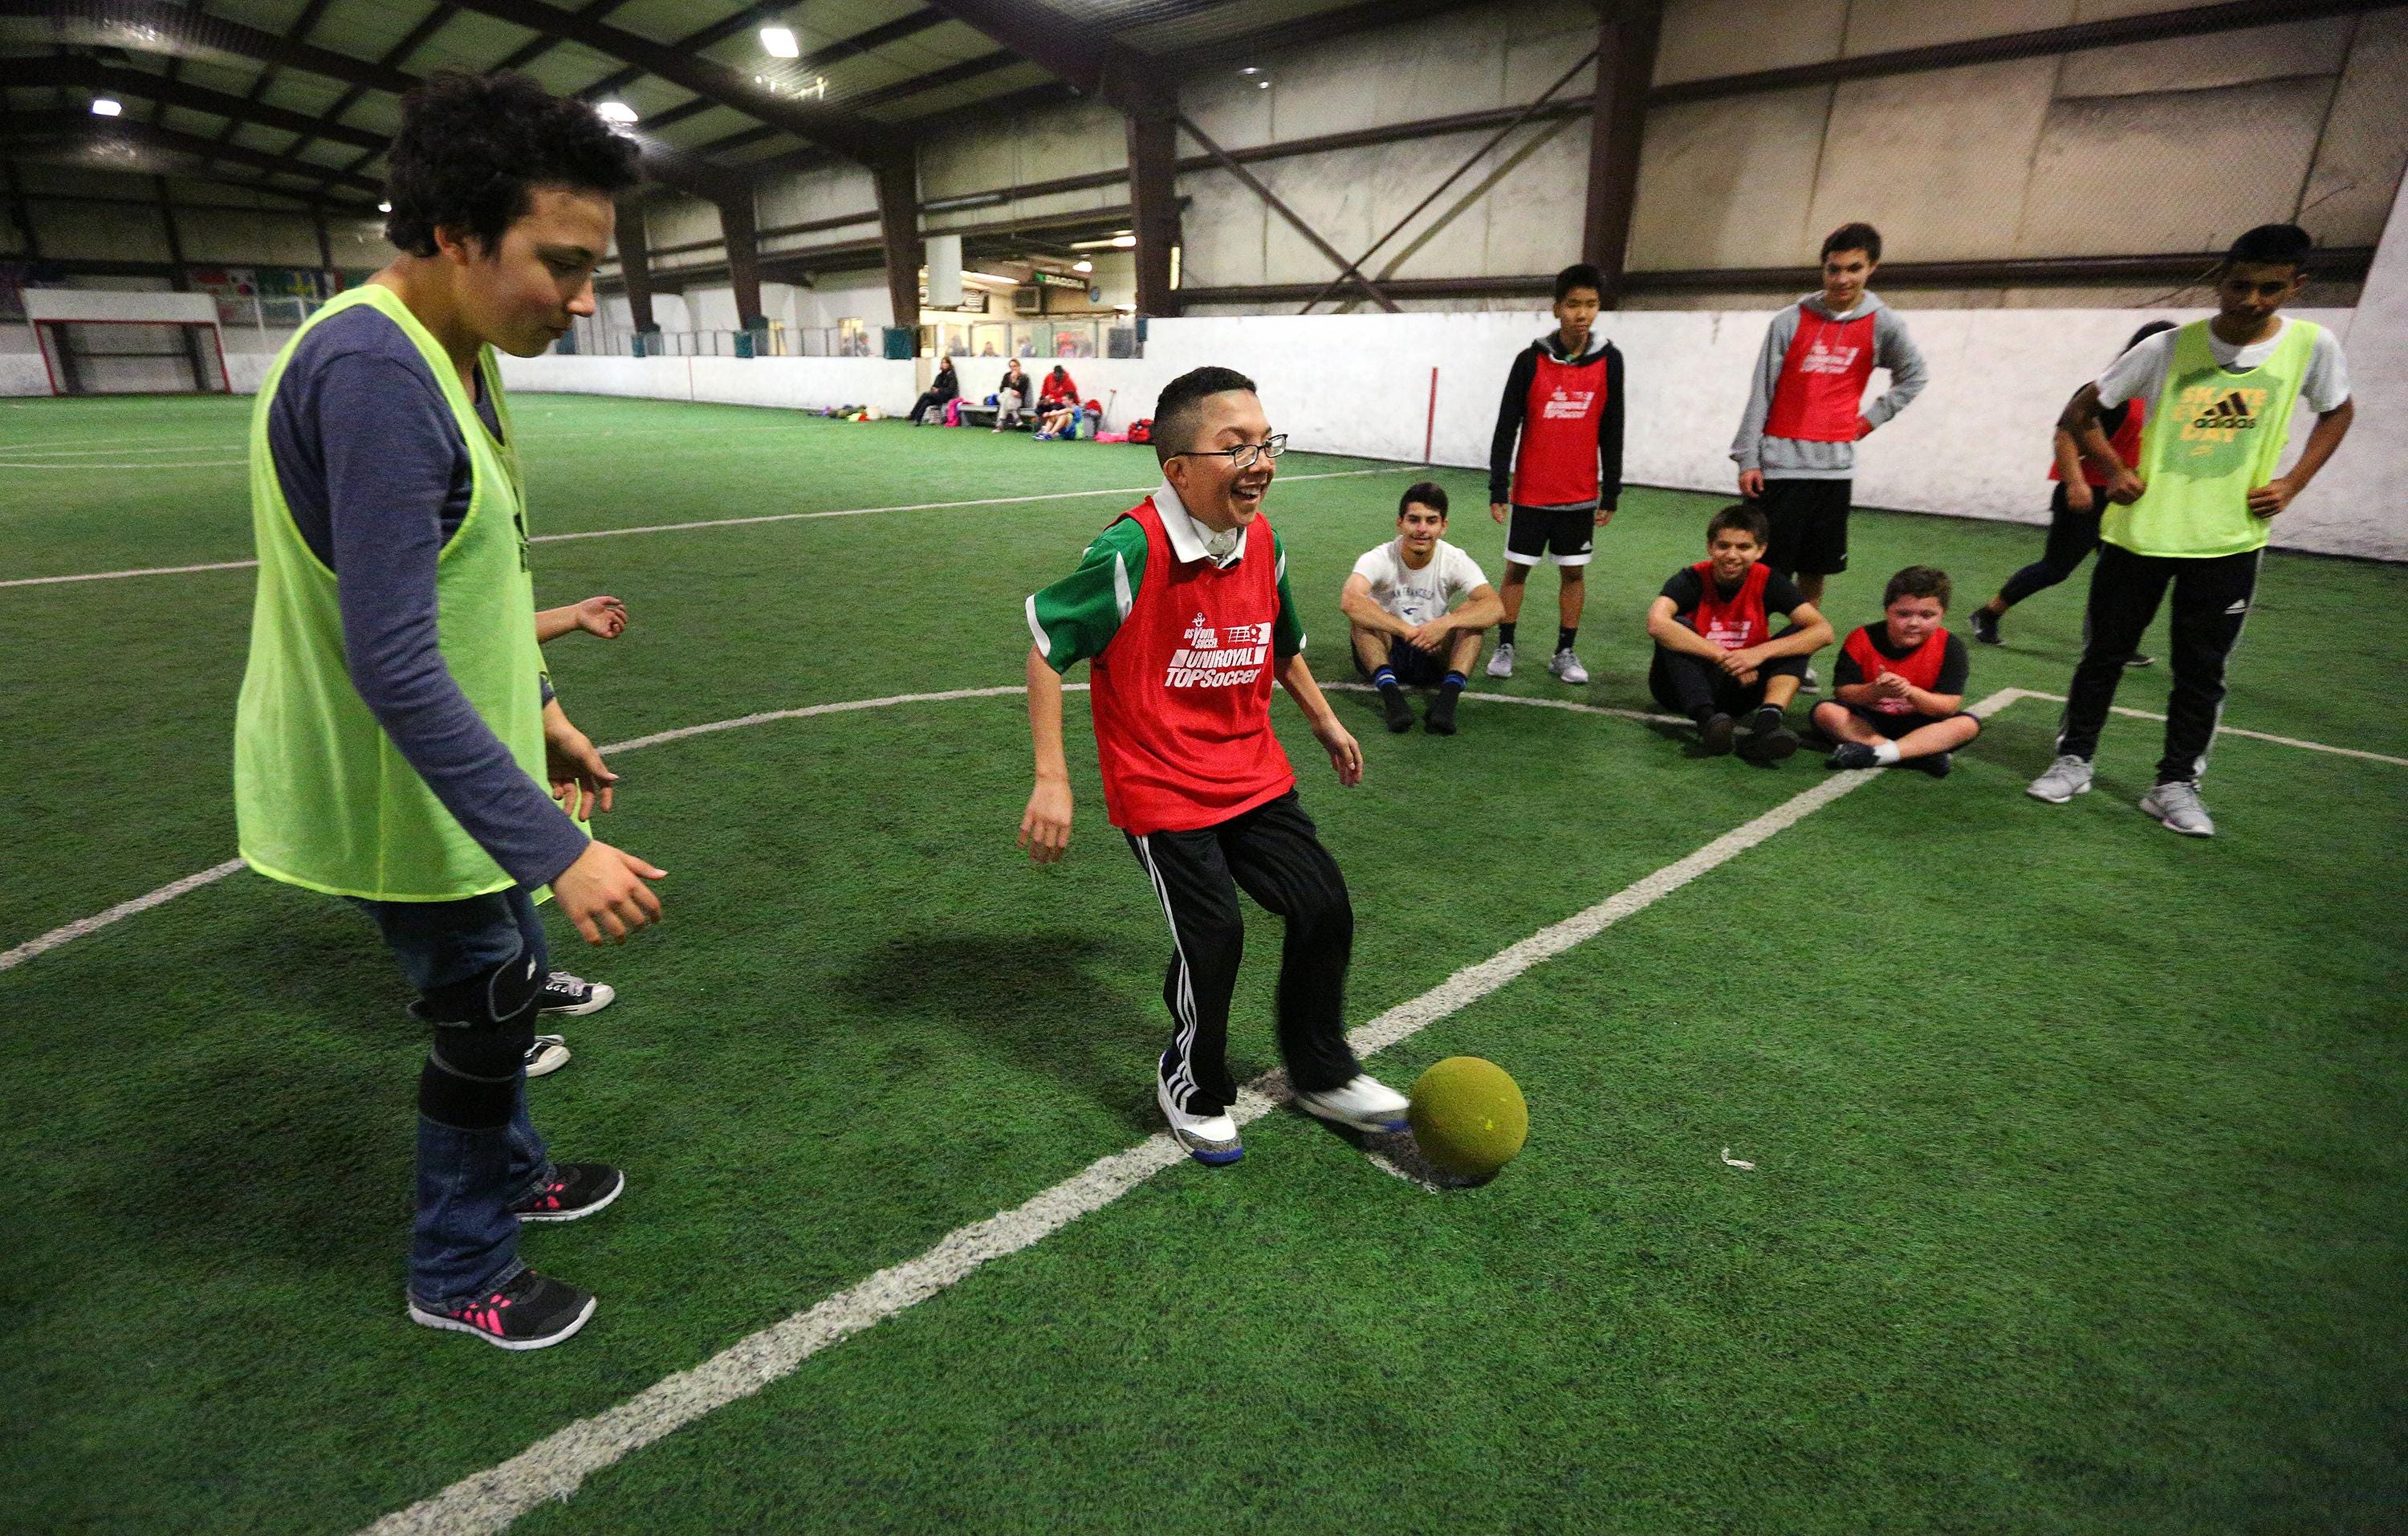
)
(11, 958)
(711, 523)
(2235, 730)
(154, 463)
(554, 1467)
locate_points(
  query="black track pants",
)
(2210, 603)
(1274, 856)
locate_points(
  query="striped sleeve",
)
(1076, 617)
(1288, 633)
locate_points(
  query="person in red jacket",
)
(1555, 461)
(1899, 689)
(1182, 609)
(2073, 507)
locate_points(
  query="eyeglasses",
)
(1245, 454)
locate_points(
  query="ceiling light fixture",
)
(616, 111)
(1249, 69)
(1083, 264)
(781, 43)
(1123, 242)
(385, 208)
(1262, 85)
(107, 107)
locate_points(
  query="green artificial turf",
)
(2078, 1197)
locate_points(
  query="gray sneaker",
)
(2066, 778)
(1501, 664)
(2177, 805)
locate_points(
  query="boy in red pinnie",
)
(1182, 609)
(1899, 687)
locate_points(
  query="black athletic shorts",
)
(1809, 525)
(1565, 537)
(1895, 726)
(1414, 666)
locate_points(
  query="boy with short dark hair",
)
(1182, 609)
(1397, 601)
(1899, 687)
(1797, 442)
(2195, 511)
(1717, 657)
(1555, 463)
(395, 731)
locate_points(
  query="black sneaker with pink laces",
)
(572, 1191)
(528, 1311)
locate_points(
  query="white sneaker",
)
(2178, 806)
(2066, 778)
(1567, 667)
(1365, 1103)
(569, 994)
(1810, 683)
(1501, 664)
(1209, 1139)
(549, 1053)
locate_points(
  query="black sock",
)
(1704, 712)
(1564, 637)
(1452, 683)
(1505, 632)
(1768, 718)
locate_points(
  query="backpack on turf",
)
(1141, 430)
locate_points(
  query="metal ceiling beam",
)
(82, 128)
(536, 47)
(393, 58)
(2154, 26)
(837, 130)
(953, 74)
(1346, 269)
(719, 32)
(92, 74)
(152, 26)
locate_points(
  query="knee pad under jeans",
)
(484, 1026)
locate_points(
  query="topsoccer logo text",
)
(1211, 659)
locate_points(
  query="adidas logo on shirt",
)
(2232, 414)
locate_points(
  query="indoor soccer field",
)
(1920, 1156)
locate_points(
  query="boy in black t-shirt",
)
(1900, 686)
(1716, 656)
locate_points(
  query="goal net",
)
(99, 341)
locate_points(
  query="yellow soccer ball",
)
(1469, 1117)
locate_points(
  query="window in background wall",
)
(851, 340)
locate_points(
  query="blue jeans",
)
(465, 1237)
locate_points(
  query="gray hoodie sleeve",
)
(1894, 349)
(1747, 448)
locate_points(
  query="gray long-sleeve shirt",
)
(373, 468)
(1798, 458)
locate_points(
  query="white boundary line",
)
(2235, 730)
(555, 1466)
(709, 523)
(11, 958)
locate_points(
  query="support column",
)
(1153, 193)
(195, 355)
(22, 211)
(325, 245)
(635, 267)
(740, 232)
(1625, 67)
(898, 228)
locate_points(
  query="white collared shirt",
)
(1191, 540)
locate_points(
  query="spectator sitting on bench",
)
(941, 390)
(1012, 396)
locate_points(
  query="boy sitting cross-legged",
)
(1899, 684)
(1716, 656)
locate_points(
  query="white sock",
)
(1885, 752)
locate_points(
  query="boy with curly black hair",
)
(396, 730)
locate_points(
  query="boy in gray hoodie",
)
(1796, 447)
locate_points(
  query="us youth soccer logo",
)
(1567, 405)
(1211, 659)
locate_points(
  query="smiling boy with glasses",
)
(1182, 609)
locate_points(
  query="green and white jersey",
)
(1075, 618)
